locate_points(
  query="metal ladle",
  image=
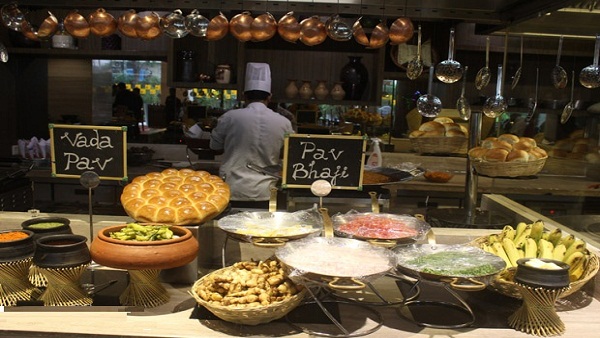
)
(462, 104)
(449, 71)
(3, 53)
(496, 106)
(517, 75)
(484, 74)
(429, 105)
(559, 75)
(535, 98)
(568, 110)
(414, 69)
(589, 76)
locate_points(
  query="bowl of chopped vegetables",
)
(45, 226)
(141, 246)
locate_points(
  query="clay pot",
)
(217, 28)
(337, 92)
(127, 22)
(291, 90)
(76, 25)
(312, 31)
(305, 91)
(48, 27)
(401, 30)
(61, 251)
(263, 27)
(240, 26)
(321, 90)
(173, 25)
(17, 250)
(65, 228)
(147, 27)
(196, 24)
(289, 28)
(132, 255)
(102, 23)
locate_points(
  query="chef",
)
(253, 134)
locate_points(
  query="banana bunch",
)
(531, 241)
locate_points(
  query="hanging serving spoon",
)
(589, 76)
(3, 53)
(449, 71)
(414, 69)
(568, 110)
(517, 75)
(559, 75)
(484, 74)
(429, 105)
(496, 106)
(535, 98)
(462, 104)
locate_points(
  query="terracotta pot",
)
(312, 31)
(102, 23)
(240, 26)
(401, 30)
(147, 27)
(321, 90)
(65, 228)
(61, 251)
(291, 90)
(305, 90)
(289, 28)
(263, 27)
(47, 28)
(17, 250)
(337, 92)
(127, 22)
(76, 25)
(132, 255)
(217, 28)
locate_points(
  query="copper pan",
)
(76, 25)
(127, 22)
(263, 27)
(312, 31)
(289, 28)
(401, 30)
(102, 23)
(47, 28)
(217, 28)
(148, 27)
(240, 26)
(378, 38)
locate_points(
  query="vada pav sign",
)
(76, 149)
(334, 158)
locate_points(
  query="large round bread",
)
(177, 197)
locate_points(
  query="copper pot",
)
(337, 29)
(102, 23)
(76, 25)
(196, 24)
(379, 35)
(312, 31)
(263, 27)
(127, 23)
(12, 16)
(401, 30)
(240, 26)
(289, 28)
(48, 27)
(217, 28)
(147, 27)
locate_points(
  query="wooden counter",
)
(177, 318)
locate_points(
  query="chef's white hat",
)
(258, 77)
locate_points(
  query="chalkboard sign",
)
(76, 149)
(337, 159)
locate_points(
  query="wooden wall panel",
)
(70, 89)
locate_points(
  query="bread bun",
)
(510, 138)
(523, 145)
(433, 133)
(176, 197)
(451, 126)
(455, 133)
(416, 133)
(433, 126)
(443, 119)
(464, 129)
(487, 143)
(539, 152)
(496, 155)
(477, 153)
(528, 140)
(499, 144)
(517, 156)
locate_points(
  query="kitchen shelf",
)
(91, 54)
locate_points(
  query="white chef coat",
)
(253, 134)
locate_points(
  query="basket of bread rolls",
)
(508, 155)
(440, 136)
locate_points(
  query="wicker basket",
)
(509, 169)
(248, 315)
(439, 145)
(504, 281)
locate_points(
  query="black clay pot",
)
(354, 77)
(537, 277)
(61, 251)
(11, 251)
(65, 228)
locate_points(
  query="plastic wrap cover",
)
(317, 257)
(264, 224)
(448, 260)
(379, 226)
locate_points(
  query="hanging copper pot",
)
(147, 27)
(263, 27)
(47, 28)
(196, 24)
(401, 30)
(379, 35)
(217, 28)
(102, 23)
(359, 33)
(127, 23)
(240, 26)
(173, 25)
(289, 28)
(312, 31)
(76, 25)
(338, 29)
(12, 17)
